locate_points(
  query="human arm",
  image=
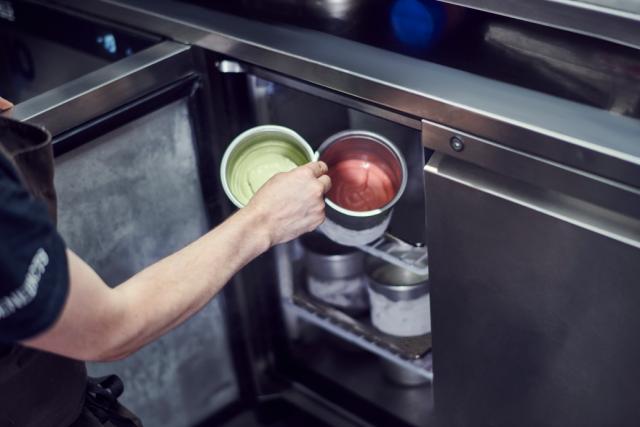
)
(101, 323)
(4, 104)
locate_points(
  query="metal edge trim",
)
(45, 107)
(620, 228)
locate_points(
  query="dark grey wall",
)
(126, 200)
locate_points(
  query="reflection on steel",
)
(531, 290)
(227, 66)
(583, 137)
(591, 218)
(336, 9)
(534, 170)
(607, 79)
(603, 20)
(101, 91)
(418, 23)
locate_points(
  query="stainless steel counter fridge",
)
(524, 187)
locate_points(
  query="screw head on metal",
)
(456, 144)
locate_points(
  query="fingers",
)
(4, 104)
(318, 168)
(326, 183)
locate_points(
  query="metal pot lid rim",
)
(240, 138)
(336, 257)
(399, 288)
(333, 138)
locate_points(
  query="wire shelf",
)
(351, 330)
(400, 253)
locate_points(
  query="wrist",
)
(258, 223)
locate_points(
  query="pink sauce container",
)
(368, 175)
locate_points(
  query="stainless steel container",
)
(369, 175)
(335, 273)
(399, 299)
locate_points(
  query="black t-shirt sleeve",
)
(34, 278)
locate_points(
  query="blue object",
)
(418, 23)
(108, 42)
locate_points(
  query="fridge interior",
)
(331, 352)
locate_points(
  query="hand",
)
(292, 203)
(4, 104)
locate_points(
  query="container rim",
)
(394, 292)
(381, 140)
(399, 292)
(239, 139)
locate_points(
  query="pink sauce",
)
(360, 185)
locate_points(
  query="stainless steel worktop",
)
(616, 20)
(577, 135)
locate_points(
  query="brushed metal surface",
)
(532, 169)
(601, 18)
(583, 137)
(533, 303)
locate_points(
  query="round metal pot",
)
(281, 148)
(399, 299)
(369, 175)
(335, 273)
(330, 260)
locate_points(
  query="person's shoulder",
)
(33, 263)
(14, 197)
(8, 174)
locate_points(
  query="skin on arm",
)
(100, 323)
(4, 104)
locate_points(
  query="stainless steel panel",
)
(99, 92)
(402, 119)
(569, 66)
(616, 21)
(46, 65)
(126, 200)
(533, 296)
(531, 169)
(580, 136)
(364, 375)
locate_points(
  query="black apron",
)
(40, 389)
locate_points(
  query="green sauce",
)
(252, 166)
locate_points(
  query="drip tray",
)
(409, 348)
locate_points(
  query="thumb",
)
(318, 168)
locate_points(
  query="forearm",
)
(170, 291)
(4, 104)
(100, 323)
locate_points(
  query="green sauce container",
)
(256, 155)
